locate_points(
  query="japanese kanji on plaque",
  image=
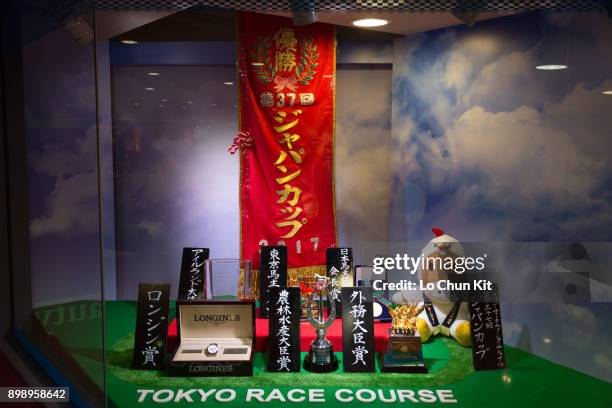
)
(486, 331)
(339, 268)
(192, 282)
(357, 330)
(151, 326)
(284, 329)
(273, 274)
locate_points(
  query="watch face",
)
(212, 348)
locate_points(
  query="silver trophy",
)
(321, 357)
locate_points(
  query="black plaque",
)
(191, 285)
(272, 274)
(340, 271)
(357, 329)
(284, 330)
(486, 331)
(151, 326)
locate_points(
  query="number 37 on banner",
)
(298, 244)
(269, 99)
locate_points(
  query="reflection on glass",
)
(229, 279)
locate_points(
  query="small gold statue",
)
(405, 318)
(404, 353)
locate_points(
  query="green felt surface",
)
(447, 361)
(529, 381)
(74, 332)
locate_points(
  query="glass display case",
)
(132, 130)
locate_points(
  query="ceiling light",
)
(546, 340)
(551, 67)
(161, 106)
(153, 73)
(607, 92)
(370, 22)
(228, 83)
(189, 102)
(136, 103)
(164, 100)
(129, 42)
(149, 89)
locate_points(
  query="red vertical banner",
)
(287, 106)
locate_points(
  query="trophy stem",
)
(320, 307)
(321, 357)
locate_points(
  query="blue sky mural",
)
(62, 167)
(491, 149)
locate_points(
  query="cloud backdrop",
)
(491, 149)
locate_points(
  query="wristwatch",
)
(212, 349)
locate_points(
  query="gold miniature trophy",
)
(321, 357)
(404, 352)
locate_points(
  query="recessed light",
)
(551, 67)
(607, 92)
(129, 42)
(149, 89)
(370, 22)
(153, 73)
(546, 340)
(189, 102)
(164, 100)
(228, 83)
(161, 106)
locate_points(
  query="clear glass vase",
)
(229, 279)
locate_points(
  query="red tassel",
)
(242, 141)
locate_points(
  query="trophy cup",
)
(404, 350)
(321, 357)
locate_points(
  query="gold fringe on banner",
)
(293, 279)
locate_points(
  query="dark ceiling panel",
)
(198, 24)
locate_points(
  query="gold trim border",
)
(333, 152)
(293, 276)
(239, 111)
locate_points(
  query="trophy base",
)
(313, 367)
(404, 355)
